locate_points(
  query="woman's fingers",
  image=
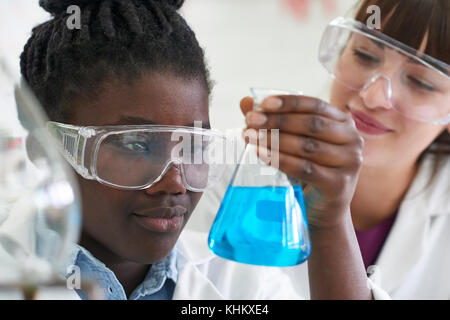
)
(311, 125)
(301, 104)
(317, 151)
(315, 143)
(309, 172)
(246, 105)
(332, 182)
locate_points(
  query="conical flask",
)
(262, 218)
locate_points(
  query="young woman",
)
(133, 73)
(395, 84)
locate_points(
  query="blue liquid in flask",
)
(262, 226)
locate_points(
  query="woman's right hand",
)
(319, 145)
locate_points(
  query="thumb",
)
(246, 105)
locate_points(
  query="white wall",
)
(247, 42)
(17, 18)
(259, 43)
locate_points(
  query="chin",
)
(149, 255)
(148, 249)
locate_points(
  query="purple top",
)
(371, 241)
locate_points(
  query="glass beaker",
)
(262, 218)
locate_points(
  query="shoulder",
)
(430, 188)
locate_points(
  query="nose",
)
(377, 92)
(171, 182)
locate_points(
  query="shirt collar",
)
(158, 275)
(153, 281)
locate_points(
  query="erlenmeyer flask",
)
(262, 218)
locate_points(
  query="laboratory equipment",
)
(262, 218)
(39, 203)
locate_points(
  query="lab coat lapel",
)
(402, 251)
(409, 235)
(192, 283)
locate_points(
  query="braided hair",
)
(118, 39)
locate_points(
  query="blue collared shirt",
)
(159, 283)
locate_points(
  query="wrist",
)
(328, 234)
(342, 219)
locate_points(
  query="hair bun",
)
(176, 4)
(60, 6)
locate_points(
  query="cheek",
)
(404, 146)
(195, 198)
(419, 135)
(102, 206)
(340, 96)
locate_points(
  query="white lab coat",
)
(204, 276)
(201, 274)
(414, 262)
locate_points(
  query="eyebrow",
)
(126, 120)
(414, 61)
(380, 45)
(411, 60)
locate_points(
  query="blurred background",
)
(260, 43)
(40, 214)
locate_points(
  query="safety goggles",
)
(136, 157)
(414, 84)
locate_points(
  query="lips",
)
(161, 219)
(367, 124)
(163, 212)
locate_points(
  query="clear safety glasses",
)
(414, 84)
(136, 157)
